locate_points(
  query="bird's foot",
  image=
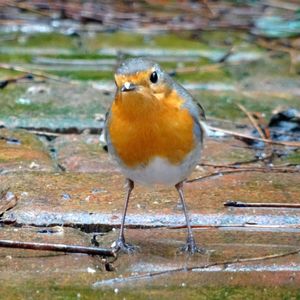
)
(191, 247)
(120, 245)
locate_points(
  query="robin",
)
(153, 132)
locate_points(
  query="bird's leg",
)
(190, 245)
(119, 244)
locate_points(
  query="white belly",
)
(161, 171)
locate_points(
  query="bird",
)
(154, 132)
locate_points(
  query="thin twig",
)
(234, 165)
(282, 48)
(252, 204)
(245, 225)
(252, 120)
(45, 133)
(240, 170)
(269, 147)
(249, 137)
(282, 4)
(36, 73)
(5, 82)
(27, 8)
(224, 264)
(58, 248)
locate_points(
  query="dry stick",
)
(269, 147)
(282, 5)
(245, 136)
(27, 8)
(252, 120)
(234, 165)
(36, 73)
(45, 133)
(5, 82)
(225, 264)
(227, 172)
(206, 68)
(57, 248)
(245, 225)
(280, 168)
(209, 118)
(282, 48)
(253, 204)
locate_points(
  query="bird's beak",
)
(128, 86)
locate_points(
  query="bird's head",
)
(142, 79)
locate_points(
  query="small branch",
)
(234, 165)
(224, 264)
(5, 82)
(293, 53)
(240, 170)
(27, 8)
(282, 4)
(252, 204)
(252, 121)
(58, 248)
(225, 57)
(218, 173)
(36, 73)
(244, 225)
(249, 137)
(263, 135)
(45, 133)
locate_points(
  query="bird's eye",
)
(153, 77)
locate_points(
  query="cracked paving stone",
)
(82, 153)
(98, 199)
(46, 266)
(59, 107)
(158, 251)
(21, 151)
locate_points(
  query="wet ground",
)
(59, 185)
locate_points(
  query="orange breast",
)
(141, 129)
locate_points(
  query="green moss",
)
(5, 74)
(32, 110)
(50, 40)
(85, 75)
(9, 107)
(177, 42)
(227, 37)
(9, 94)
(53, 291)
(28, 139)
(223, 105)
(15, 58)
(293, 157)
(81, 55)
(118, 39)
(131, 40)
(263, 68)
(218, 75)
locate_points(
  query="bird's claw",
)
(120, 245)
(191, 247)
